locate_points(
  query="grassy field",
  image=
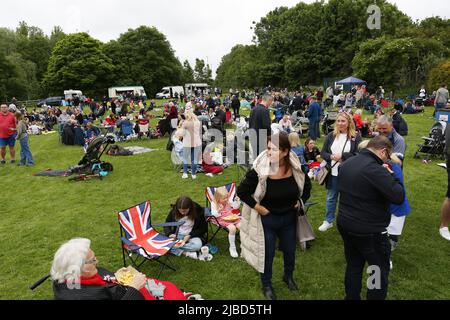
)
(40, 213)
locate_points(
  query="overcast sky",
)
(206, 29)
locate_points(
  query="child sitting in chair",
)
(226, 210)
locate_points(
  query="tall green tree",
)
(8, 41)
(26, 84)
(78, 62)
(188, 72)
(202, 72)
(439, 75)
(9, 86)
(398, 63)
(303, 44)
(56, 35)
(143, 56)
(239, 68)
(34, 46)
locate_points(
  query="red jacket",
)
(358, 121)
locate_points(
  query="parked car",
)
(51, 101)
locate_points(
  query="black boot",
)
(268, 293)
(290, 283)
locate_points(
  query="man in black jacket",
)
(260, 124)
(367, 187)
(297, 103)
(235, 105)
(445, 210)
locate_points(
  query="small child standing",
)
(398, 212)
(26, 158)
(223, 208)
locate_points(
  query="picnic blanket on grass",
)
(116, 150)
(53, 173)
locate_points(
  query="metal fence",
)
(26, 103)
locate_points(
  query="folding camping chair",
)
(143, 130)
(141, 239)
(212, 219)
(126, 131)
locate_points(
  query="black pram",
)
(434, 145)
(91, 163)
(329, 121)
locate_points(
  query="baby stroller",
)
(328, 122)
(91, 164)
(298, 120)
(434, 145)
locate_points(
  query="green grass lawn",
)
(40, 213)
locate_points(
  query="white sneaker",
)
(194, 177)
(445, 233)
(233, 252)
(209, 175)
(192, 255)
(184, 176)
(325, 226)
(390, 264)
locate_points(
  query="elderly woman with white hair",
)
(76, 276)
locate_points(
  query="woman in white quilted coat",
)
(271, 193)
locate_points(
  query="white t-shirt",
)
(422, 93)
(186, 228)
(34, 129)
(336, 148)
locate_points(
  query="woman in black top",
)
(312, 153)
(284, 185)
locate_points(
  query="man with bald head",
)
(7, 133)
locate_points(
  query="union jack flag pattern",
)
(136, 223)
(211, 191)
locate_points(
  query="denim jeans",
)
(282, 227)
(26, 158)
(332, 197)
(191, 156)
(314, 130)
(193, 245)
(374, 249)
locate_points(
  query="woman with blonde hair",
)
(339, 145)
(297, 147)
(192, 144)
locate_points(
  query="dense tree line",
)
(24, 57)
(34, 65)
(309, 42)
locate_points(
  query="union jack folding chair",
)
(139, 237)
(210, 217)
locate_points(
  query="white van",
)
(138, 91)
(192, 89)
(168, 92)
(70, 94)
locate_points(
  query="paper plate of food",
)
(178, 243)
(124, 276)
(232, 217)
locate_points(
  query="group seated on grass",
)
(185, 233)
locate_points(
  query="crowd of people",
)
(364, 180)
